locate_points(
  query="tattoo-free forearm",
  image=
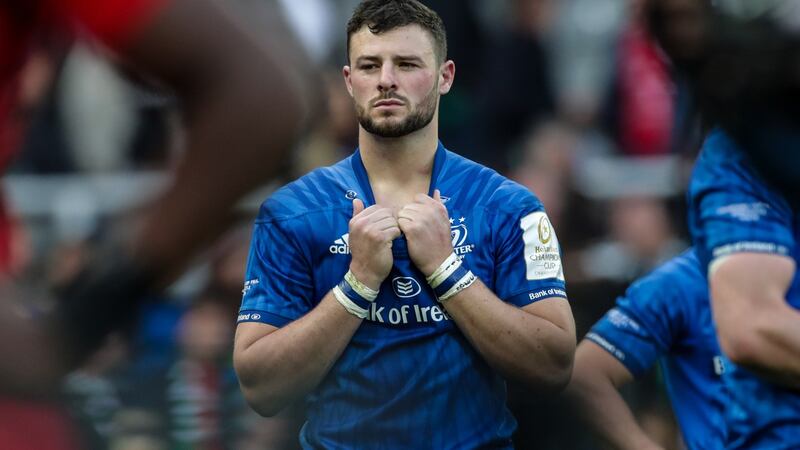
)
(594, 392)
(283, 366)
(518, 343)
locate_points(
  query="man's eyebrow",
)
(373, 58)
(409, 58)
(367, 58)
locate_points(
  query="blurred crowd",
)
(568, 97)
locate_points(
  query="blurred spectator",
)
(641, 236)
(196, 397)
(93, 392)
(45, 149)
(138, 429)
(515, 92)
(466, 45)
(335, 135)
(130, 121)
(545, 166)
(314, 23)
(583, 41)
(643, 118)
(15, 246)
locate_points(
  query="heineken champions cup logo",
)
(545, 230)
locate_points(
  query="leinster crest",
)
(459, 234)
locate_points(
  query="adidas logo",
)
(341, 246)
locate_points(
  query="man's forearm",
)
(605, 411)
(519, 344)
(288, 363)
(593, 392)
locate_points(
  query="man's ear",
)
(346, 74)
(447, 73)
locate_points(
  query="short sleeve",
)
(644, 324)
(279, 286)
(528, 264)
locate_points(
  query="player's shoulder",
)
(323, 189)
(678, 281)
(485, 187)
(723, 165)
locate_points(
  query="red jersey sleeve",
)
(114, 22)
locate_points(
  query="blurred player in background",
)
(746, 236)
(397, 289)
(664, 317)
(741, 60)
(243, 102)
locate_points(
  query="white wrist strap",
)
(361, 289)
(348, 304)
(445, 270)
(465, 282)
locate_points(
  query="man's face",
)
(395, 80)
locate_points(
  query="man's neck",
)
(399, 168)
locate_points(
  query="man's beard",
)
(416, 120)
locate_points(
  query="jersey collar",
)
(363, 179)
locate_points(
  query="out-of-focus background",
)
(568, 97)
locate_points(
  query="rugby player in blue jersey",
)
(664, 317)
(746, 237)
(398, 289)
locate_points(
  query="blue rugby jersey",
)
(732, 210)
(666, 317)
(409, 378)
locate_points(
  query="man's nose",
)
(387, 80)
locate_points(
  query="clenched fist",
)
(427, 228)
(372, 231)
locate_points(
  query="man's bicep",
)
(748, 282)
(593, 361)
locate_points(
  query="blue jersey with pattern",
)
(731, 210)
(409, 378)
(666, 317)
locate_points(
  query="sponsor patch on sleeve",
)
(744, 212)
(248, 285)
(621, 320)
(542, 255)
(608, 346)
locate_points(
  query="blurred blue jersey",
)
(733, 210)
(666, 317)
(409, 378)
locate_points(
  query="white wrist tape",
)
(445, 270)
(361, 289)
(465, 282)
(348, 304)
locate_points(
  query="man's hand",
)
(427, 227)
(372, 231)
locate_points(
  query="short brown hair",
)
(385, 15)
